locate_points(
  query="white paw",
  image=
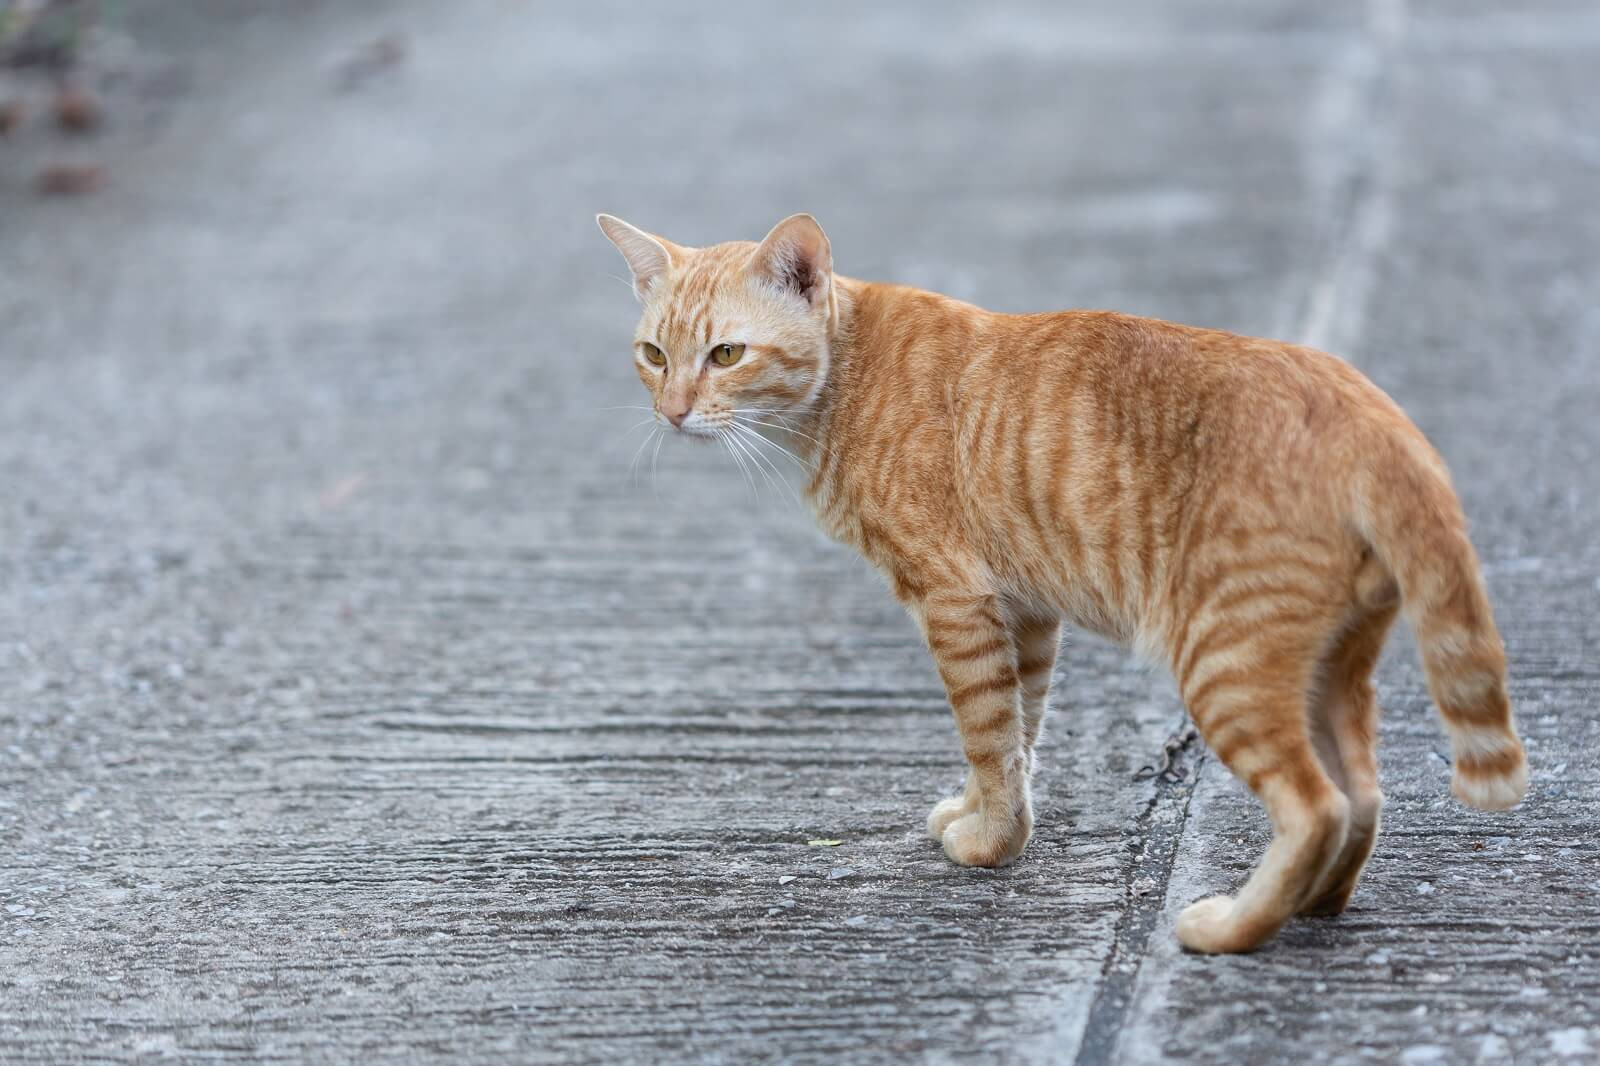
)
(974, 840)
(1207, 926)
(1491, 792)
(946, 811)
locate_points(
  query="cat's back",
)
(1117, 349)
(1159, 392)
(1133, 406)
(1177, 383)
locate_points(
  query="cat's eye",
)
(653, 355)
(727, 354)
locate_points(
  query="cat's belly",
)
(1088, 610)
(1079, 602)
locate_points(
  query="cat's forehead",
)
(706, 292)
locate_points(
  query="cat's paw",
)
(1208, 926)
(979, 840)
(949, 810)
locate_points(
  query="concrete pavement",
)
(356, 704)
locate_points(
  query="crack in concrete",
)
(1160, 828)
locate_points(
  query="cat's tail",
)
(1409, 513)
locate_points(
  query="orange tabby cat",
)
(1248, 512)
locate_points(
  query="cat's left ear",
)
(797, 258)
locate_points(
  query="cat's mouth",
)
(705, 428)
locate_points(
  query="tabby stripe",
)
(1282, 590)
(1227, 633)
(781, 356)
(966, 655)
(1000, 717)
(1055, 500)
(1500, 764)
(1043, 664)
(1143, 518)
(1025, 479)
(1259, 729)
(1113, 553)
(1279, 594)
(997, 683)
(955, 628)
(1203, 602)
(1489, 712)
(987, 763)
(979, 412)
(1233, 678)
(1207, 578)
(1002, 443)
(964, 608)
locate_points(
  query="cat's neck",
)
(872, 319)
(811, 424)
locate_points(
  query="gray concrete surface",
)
(357, 705)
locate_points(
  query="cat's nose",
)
(677, 416)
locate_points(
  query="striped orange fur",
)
(1251, 513)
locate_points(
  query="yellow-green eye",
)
(654, 355)
(727, 354)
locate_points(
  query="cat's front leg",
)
(990, 823)
(1035, 635)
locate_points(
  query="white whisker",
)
(792, 457)
(748, 480)
(654, 488)
(809, 463)
(774, 425)
(782, 416)
(636, 425)
(762, 458)
(745, 448)
(633, 466)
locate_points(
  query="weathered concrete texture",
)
(359, 705)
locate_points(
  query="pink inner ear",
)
(796, 264)
(797, 272)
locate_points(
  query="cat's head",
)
(736, 329)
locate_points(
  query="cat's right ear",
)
(648, 257)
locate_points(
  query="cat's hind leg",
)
(1344, 722)
(1247, 683)
(990, 823)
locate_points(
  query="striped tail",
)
(1409, 513)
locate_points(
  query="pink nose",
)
(676, 417)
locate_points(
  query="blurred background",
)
(366, 692)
